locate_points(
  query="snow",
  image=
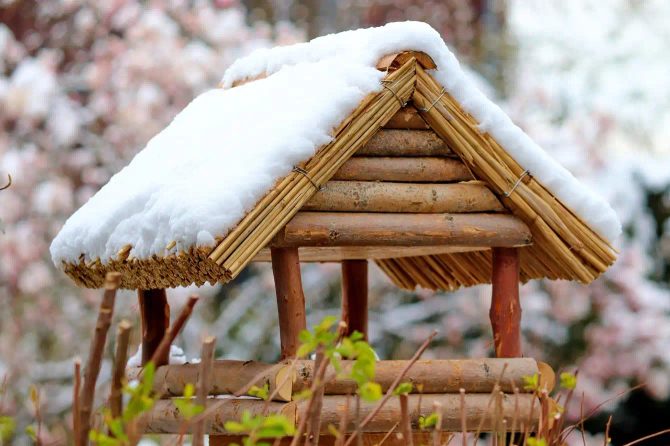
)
(199, 176)
(176, 356)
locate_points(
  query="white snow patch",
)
(197, 178)
(177, 356)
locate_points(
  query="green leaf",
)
(234, 427)
(370, 391)
(403, 388)
(7, 427)
(568, 380)
(189, 390)
(30, 431)
(303, 395)
(429, 421)
(260, 392)
(325, 324)
(532, 441)
(531, 382)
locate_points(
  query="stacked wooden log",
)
(406, 169)
(437, 381)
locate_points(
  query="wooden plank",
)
(405, 143)
(290, 298)
(404, 169)
(227, 377)
(155, 316)
(375, 196)
(407, 118)
(355, 296)
(339, 253)
(435, 375)
(385, 229)
(505, 312)
(164, 418)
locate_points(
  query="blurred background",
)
(84, 85)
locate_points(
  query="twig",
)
(496, 388)
(87, 394)
(204, 384)
(75, 400)
(339, 441)
(318, 380)
(464, 426)
(389, 392)
(639, 440)
(9, 182)
(388, 434)
(437, 432)
(118, 373)
(163, 349)
(314, 414)
(405, 424)
(607, 430)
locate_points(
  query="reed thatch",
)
(564, 247)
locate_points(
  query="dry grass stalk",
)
(314, 414)
(96, 349)
(75, 401)
(405, 425)
(118, 372)
(204, 384)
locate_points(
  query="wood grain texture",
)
(407, 118)
(385, 229)
(405, 143)
(290, 298)
(435, 375)
(155, 317)
(373, 196)
(355, 296)
(403, 169)
(505, 312)
(340, 253)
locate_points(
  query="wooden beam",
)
(407, 118)
(404, 169)
(405, 143)
(355, 296)
(385, 229)
(290, 298)
(340, 253)
(376, 196)
(505, 312)
(155, 317)
(523, 408)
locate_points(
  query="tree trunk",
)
(290, 298)
(505, 310)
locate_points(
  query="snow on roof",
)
(199, 176)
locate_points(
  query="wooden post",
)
(155, 315)
(355, 296)
(290, 298)
(505, 312)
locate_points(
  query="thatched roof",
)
(564, 236)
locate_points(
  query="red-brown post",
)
(155, 315)
(290, 298)
(355, 295)
(505, 310)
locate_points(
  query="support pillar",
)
(155, 316)
(290, 298)
(355, 296)
(505, 312)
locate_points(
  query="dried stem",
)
(405, 424)
(171, 334)
(389, 392)
(437, 432)
(314, 414)
(75, 401)
(118, 372)
(87, 393)
(204, 384)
